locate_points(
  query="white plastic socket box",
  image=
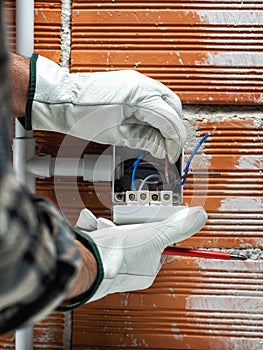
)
(147, 204)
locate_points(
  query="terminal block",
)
(149, 198)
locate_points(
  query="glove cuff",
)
(85, 297)
(31, 92)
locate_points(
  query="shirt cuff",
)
(27, 123)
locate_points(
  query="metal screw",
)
(119, 196)
(143, 196)
(131, 197)
(166, 197)
(155, 197)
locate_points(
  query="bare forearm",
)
(87, 274)
(19, 77)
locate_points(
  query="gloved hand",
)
(131, 255)
(119, 107)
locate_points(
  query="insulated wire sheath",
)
(186, 170)
(135, 167)
(149, 177)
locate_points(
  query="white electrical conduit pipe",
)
(25, 47)
(91, 167)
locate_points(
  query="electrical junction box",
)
(144, 188)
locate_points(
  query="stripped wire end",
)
(166, 170)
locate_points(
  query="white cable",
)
(148, 178)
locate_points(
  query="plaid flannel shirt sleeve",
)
(38, 256)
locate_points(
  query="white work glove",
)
(131, 255)
(123, 108)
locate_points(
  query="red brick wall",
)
(208, 52)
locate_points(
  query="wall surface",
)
(196, 303)
(207, 51)
(210, 53)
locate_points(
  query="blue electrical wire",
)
(186, 170)
(135, 167)
(145, 167)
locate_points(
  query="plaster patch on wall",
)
(201, 161)
(237, 59)
(250, 163)
(260, 99)
(231, 18)
(65, 33)
(244, 249)
(47, 334)
(195, 113)
(176, 332)
(224, 303)
(259, 245)
(231, 266)
(172, 293)
(192, 133)
(67, 330)
(192, 138)
(125, 300)
(241, 204)
(244, 343)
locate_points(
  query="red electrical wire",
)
(203, 253)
